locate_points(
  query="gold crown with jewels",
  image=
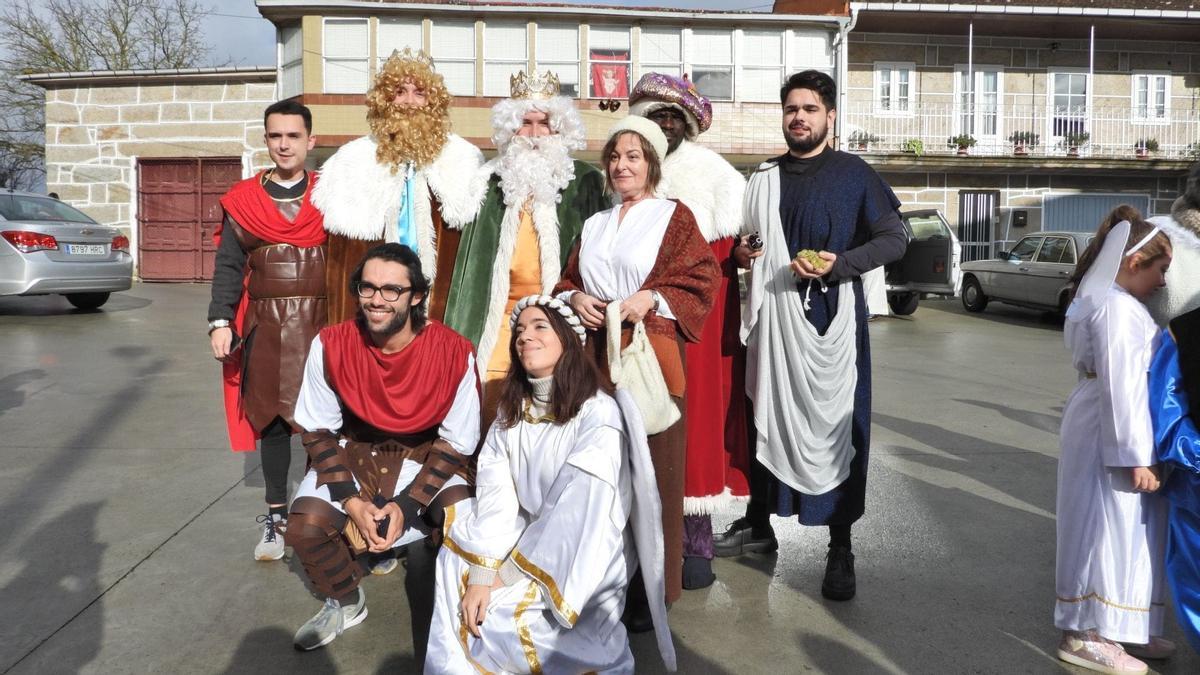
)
(533, 87)
(408, 54)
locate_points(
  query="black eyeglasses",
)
(389, 293)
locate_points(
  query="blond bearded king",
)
(537, 199)
(401, 183)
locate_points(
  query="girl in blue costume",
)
(1108, 576)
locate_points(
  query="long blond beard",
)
(405, 135)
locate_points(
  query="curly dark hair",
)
(398, 253)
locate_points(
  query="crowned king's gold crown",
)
(408, 54)
(533, 87)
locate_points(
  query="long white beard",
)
(539, 168)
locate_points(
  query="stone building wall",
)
(95, 133)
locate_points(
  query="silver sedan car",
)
(47, 246)
(1035, 273)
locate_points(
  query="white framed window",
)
(711, 59)
(1151, 96)
(558, 52)
(660, 50)
(608, 62)
(346, 45)
(761, 65)
(977, 109)
(1068, 103)
(396, 34)
(895, 88)
(291, 62)
(453, 47)
(809, 50)
(505, 53)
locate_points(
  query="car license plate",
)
(87, 249)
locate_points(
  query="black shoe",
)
(637, 617)
(741, 537)
(839, 574)
(697, 572)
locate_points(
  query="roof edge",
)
(254, 73)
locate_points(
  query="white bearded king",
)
(537, 199)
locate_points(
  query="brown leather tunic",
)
(286, 310)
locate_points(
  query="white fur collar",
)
(708, 185)
(360, 197)
(545, 222)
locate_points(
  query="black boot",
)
(742, 537)
(839, 581)
(637, 617)
(697, 572)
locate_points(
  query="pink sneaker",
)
(1089, 650)
(1157, 648)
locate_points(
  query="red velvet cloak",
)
(403, 393)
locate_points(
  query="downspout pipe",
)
(843, 71)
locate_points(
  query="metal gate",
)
(1083, 213)
(178, 210)
(978, 211)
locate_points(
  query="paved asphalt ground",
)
(126, 526)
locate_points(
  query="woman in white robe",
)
(533, 572)
(1111, 528)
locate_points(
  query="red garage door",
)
(178, 210)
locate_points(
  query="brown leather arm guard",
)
(327, 458)
(442, 462)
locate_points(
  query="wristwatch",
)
(217, 323)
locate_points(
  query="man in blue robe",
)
(824, 217)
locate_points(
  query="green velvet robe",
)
(470, 298)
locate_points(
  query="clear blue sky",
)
(238, 34)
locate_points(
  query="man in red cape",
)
(268, 302)
(390, 402)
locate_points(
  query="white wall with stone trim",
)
(96, 132)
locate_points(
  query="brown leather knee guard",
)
(315, 533)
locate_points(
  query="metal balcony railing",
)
(1044, 131)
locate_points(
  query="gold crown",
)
(409, 55)
(535, 87)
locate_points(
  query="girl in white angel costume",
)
(534, 570)
(1111, 528)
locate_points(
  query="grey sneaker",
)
(270, 546)
(329, 623)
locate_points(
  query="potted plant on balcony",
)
(1144, 147)
(1074, 140)
(1022, 141)
(963, 142)
(860, 141)
(913, 146)
(1192, 151)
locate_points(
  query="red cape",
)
(402, 393)
(717, 445)
(248, 203)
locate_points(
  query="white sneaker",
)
(330, 622)
(270, 546)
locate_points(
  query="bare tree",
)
(74, 35)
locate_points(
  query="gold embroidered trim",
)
(531, 657)
(462, 629)
(1097, 598)
(547, 581)
(535, 420)
(481, 561)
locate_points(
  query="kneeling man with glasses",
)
(390, 406)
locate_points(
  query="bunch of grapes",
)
(818, 263)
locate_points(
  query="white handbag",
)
(636, 370)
